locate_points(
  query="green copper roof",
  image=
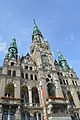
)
(62, 61)
(60, 56)
(12, 51)
(36, 31)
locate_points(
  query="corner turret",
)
(62, 61)
(12, 51)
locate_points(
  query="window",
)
(61, 74)
(31, 76)
(60, 81)
(26, 76)
(76, 83)
(26, 67)
(35, 117)
(71, 75)
(66, 82)
(30, 67)
(11, 115)
(35, 77)
(47, 79)
(73, 82)
(22, 75)
(5, 115)
(44, 59)
(39, 115)
(49, 75)
(9, 72)
(12, 63)
(14, 73)
(51, 89)
(78, 93)
(58, 73)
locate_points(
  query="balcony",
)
(56, 100)
(9, 101)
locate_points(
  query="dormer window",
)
(9, 72)
(12, 63)
(30, 67)
(14, 73)
(26, 67)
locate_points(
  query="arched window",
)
(39, 116)
(5, 115)
(31, 77)
(26, 76)
(51, 89)
(35, 116)
(12, 63)
(64, 82)
(73, 82)
(25, 94)
(11, 115)
(60, 81)
(78, 93)
(9, 72)
(26, 67)
(67, 82)
(64, 93)
(9, 90)
(14, 73)
(22, 75)
(70, 98)
(35, 77)
(49, 75)
(47, 79)
(76, 83)
(35, 96)
(30, 67)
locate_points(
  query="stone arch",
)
(51, 89)
(35, 95)
(24, 94)
(70, 98)
(9, 90)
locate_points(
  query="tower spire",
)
(36, 30)
(12, 50)
(62, 61)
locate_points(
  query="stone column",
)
(37, 116)
(31, 116)
(9, 113)
(1, 112)
(18, 114)
(30, 95)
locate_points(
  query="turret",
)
(12, 51)
(62, 61)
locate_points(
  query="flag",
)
(42, 91)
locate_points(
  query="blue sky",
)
(58, 20)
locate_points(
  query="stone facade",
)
(37, 87)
